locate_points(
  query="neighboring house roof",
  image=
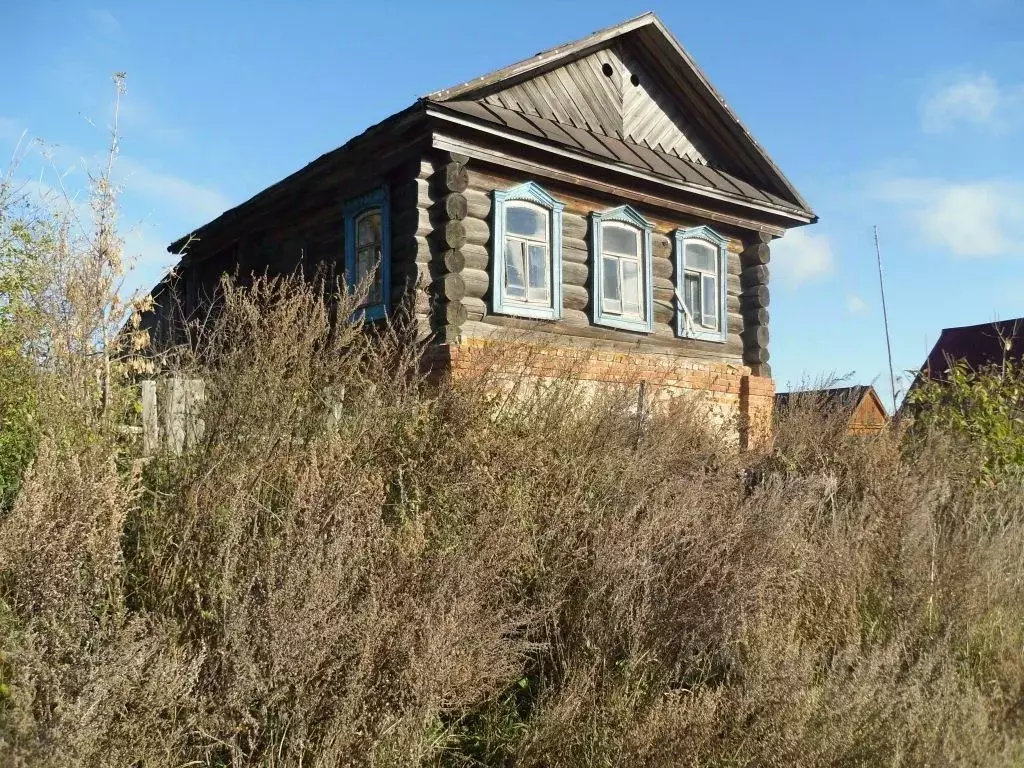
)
(977, 346)
(628, 99)
(867, 412)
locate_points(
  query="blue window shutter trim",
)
(708, 235)
(624, 214)
(530, 192)
(375, 198)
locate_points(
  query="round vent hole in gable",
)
(634, 80)
(607, 69)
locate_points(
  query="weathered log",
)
(575, 297)
(575, 274)
(755, 275)
(664, 311)
(453, 260)
(575, 318)
(661, 246)
(448, 334)
(755, 316)
(451, 177)
(756, 296)
(478, 231)
(476, 308)
(476, 256)
(575, 244)
(662, 267)
(735, 322)
(574, 226)
(411, 194)
(455, 206)
(756, 355)
(756, 253)
(451, 313)
(575, 255)
(413, 221)
(450, 286)
(755, 336)
(478, 203)
(476, 282)
(452, 234)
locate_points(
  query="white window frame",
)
(689, 327)
(528, 195)
(627, 218)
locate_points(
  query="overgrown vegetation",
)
(479, 572)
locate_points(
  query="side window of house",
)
(527, 258)
(368, 250)
(701, 264)
(621, 269)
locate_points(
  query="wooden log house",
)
(600, 195)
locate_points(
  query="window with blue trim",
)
(527, 279)
(621, 243)
(368, 250)
(701, 267)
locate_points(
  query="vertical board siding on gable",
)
(579, 94)
(576, 266)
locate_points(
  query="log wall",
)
(576, 272)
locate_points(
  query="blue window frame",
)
(368, 250)
(621, 269)
(702, 272)
(527, 258)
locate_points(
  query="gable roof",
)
(629, 90)
(977, 345)
(833, 398)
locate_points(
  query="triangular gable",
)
(610, 93)
(632, 82)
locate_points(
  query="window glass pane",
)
(529, 222)
(710, 298)
(631, 288)
(367, 263)
(538, 277)
(620, 240)
(691, 295)
(701, 256)
(368, 228)
(515, 272)
(610, 292)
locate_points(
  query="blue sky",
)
(908, 115)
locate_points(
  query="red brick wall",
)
(729, 389)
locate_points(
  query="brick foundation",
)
(733, 394)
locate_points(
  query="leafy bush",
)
(982, 410)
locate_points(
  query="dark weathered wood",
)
(756, 253)
(755, 316)
(476, 308)
(452, 235)
(451, 177)
(450, 286)
(755, 275)
(452, 312)
(756, 296)
(663, 267)
(453, 259)
(754, 337)
(455, 206)
(478, 203)
(756, 355)
(478, 231)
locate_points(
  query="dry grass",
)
(462, 574)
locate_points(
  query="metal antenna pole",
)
(885, 317)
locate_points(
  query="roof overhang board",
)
(675, 189)
(557, 172)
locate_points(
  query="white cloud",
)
(976, 100)
(802, 256)
(969, 219)
(186, 198)
(855, 304)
